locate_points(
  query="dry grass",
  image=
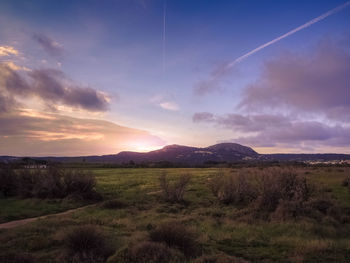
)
(175, 235)
(148, 252)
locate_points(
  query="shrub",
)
(281, 186)
(80, 184)
(56, 183)
(176, 235)
(148, 252)
(174, 192)
(7, 181)
(232, 189)
(86, 244)
(113, 204)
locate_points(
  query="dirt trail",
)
(21, 222)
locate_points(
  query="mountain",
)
(179, 154)
(223, 152)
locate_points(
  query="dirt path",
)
(21, 222)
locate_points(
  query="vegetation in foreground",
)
(198, 215)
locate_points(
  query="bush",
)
(281, 187)
(80, 184)
(232, 189)
(86, 244)
(148, 252)
(113, 204)
(51, 183)
(174, 193)
(7, 182)
(175, 235)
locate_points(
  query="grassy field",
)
(219, 229)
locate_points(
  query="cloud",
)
(52, 47)
(8, 51)
(317, 82)
(7, 103)
(52, 87)
(203, 117)
(14, 66)
(165, 102)
(169, 105)
(211, 84)
(264, 130)
(24, 133)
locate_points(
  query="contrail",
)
(311, 22)
(164, 31)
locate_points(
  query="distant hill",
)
(178, 154)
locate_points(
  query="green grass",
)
(14, 208)
(218, 228)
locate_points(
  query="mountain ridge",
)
(222, 152)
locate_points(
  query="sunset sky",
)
(94, 77)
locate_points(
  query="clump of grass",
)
(113, 204)
(176, 235)
(86, 244)
(174, 192)
(147, 251)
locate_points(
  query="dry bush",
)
(80, 184)
(85, 244)
(174, 192)
(7, 182)
(148, 252)
(56, 183)
(176, 235)
(113, 204)
(232, 189)
(282, 188)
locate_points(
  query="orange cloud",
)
(30, 133)
(7, 51)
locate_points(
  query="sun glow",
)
(142, 146)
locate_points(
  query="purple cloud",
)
(318, 83)
(53, 88)
(53, 48)
(266, 130)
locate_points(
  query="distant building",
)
(36, 166)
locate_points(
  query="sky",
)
(91, 77)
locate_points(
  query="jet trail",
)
(311, 22)
(163, 38)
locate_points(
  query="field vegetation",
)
(255, 214)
